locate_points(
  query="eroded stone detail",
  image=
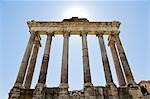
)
(39, 92)
(15, 93)
(99, 92)
(145, 87)
(128, 89)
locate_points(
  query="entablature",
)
(73, 26)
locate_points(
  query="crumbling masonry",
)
(128, 89)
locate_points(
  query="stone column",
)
(125, 64)
(118, 68)
(44, 66)
(16, 90)
(112, 91)
(24, 63)
(106, 66)
(86, 65)
(64, 69)
(39, 92)
(88, 86)
(32, 64)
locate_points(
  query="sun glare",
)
(76, 12)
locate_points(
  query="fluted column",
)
(32, 64)
(24, 63)
(44, 66)
(125, 64)
(118, 68)
(86, 65)
(106, 66)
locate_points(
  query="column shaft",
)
(32, 64)
(64, 68)
(118, 68)
(24, 63)
(125, 64)
(106, 66)
(44, 66)
(86, 65)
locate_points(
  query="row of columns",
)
(24, 63)
(29, 76)
(117, 51)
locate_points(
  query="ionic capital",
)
(83, 33)
(37, 40)
(111, 39)
(100, 33)
(50, 33)
(66, 33)
(37, 37)
(115, 33)
(32, 31)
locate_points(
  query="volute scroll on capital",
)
(111, 39)
(32, 35)
(83, 33)
(32, 32)
(50, 33)
(116, 24)
(100, 33)
(37, 42)
(114, 33)
(37, 37)
(66, 33)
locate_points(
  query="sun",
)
(77, 11)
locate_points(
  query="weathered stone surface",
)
(145, 86)
(125, 64)
(44, 66)
(76, 19)
(82, 27)
(106, 66)
(39, 92)
(32, 64)
(74, 26)
(15, 93)
(135, 92)
(117, 64)
(24, 63)
(99, 92)
(64, 69)
(86, 64)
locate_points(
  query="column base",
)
(63, 89)
(88, 89)
(112, 91)
(135, 92)
(19, 85)
(15, 93)
(39, 92)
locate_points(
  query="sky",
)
(14, 35)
